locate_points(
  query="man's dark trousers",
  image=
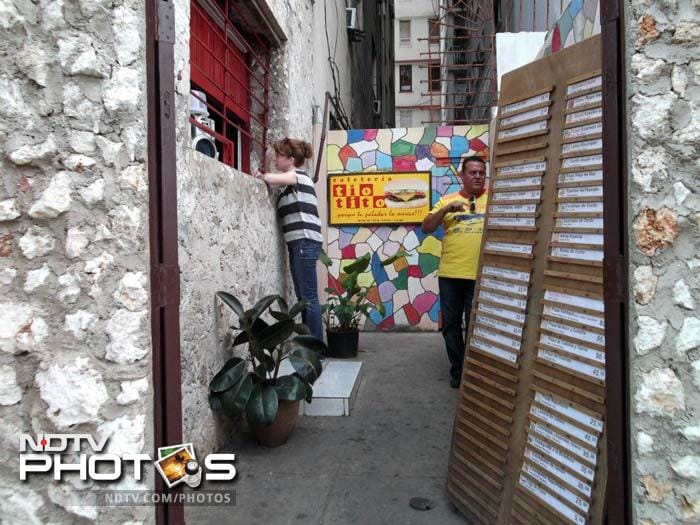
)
(456, 297)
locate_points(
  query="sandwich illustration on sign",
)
(409, 193)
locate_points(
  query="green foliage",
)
(252, 384)
(348, 304)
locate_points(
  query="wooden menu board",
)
(529, 435)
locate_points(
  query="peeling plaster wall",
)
(663, 93)
(228, 232)
(75, 351)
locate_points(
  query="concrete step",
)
(334, 391)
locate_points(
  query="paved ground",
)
(361, 469)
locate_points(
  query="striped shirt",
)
(297, 209)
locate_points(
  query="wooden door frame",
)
(619, 487)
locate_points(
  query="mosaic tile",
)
(384, 161)
(384, 138)
(345, 236)
(429, 262)
(412, 316)
(333, 160)
(459, 146)
(390, 248)
(374, 241)
(411, 241)
(363, 249)
(383, 232)
(413, 257)
(355, 135)
(415, 271)
(364, 145)
(424, 302)
(430, 246)
(400, 318)
(414, 135)
(398, 234)
(398, 133)
(428, 137)
(401, 280)
(369, 159)
(365, 279)
(407, 163)
(378, 270)
(386, 324)
(423, 152)
(353, 164)
(361, 236)
(434, 312)
(348, 252)
(337, 138)
(414, 286)
(346, 152)
(386, 290)
(401, 264)
(400, 299)
(333, 250)
(333, 235)
(370, 134)
(431, 285)
(373, 295)
(424, 165)
(444, 131)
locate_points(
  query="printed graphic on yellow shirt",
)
(461, 242)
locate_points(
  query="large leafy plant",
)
(348, 303)
(252, 384)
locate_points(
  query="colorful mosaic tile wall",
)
(409, 287)
(580, 20)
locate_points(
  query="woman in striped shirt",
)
(297, 209)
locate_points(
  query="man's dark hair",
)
(473, 158)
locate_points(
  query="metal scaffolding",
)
(462, 62)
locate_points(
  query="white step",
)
(334, 391)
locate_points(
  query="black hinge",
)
(165, 22)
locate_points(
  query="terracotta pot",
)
(278, 432)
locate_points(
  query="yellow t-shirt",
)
(462, 240)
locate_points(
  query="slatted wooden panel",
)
(529, 434)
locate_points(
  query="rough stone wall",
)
(228, 232)
(74, 292)
(663, 72)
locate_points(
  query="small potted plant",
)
(347, 305)
(252, 384)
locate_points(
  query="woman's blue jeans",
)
(303, 254)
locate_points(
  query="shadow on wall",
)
(408, 288)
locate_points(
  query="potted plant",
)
(348, 304)
(252, 384)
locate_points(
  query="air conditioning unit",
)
(351, 17)
(201, 140)
(377, 107)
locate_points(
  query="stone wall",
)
(74, 291)
(663, 73)
(228, 232)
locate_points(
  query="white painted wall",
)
(417, 13)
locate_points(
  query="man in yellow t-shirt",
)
(462, 216)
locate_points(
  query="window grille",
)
(230, 64)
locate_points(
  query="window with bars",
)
(405, 33)
(229, 75)
(405, 78)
